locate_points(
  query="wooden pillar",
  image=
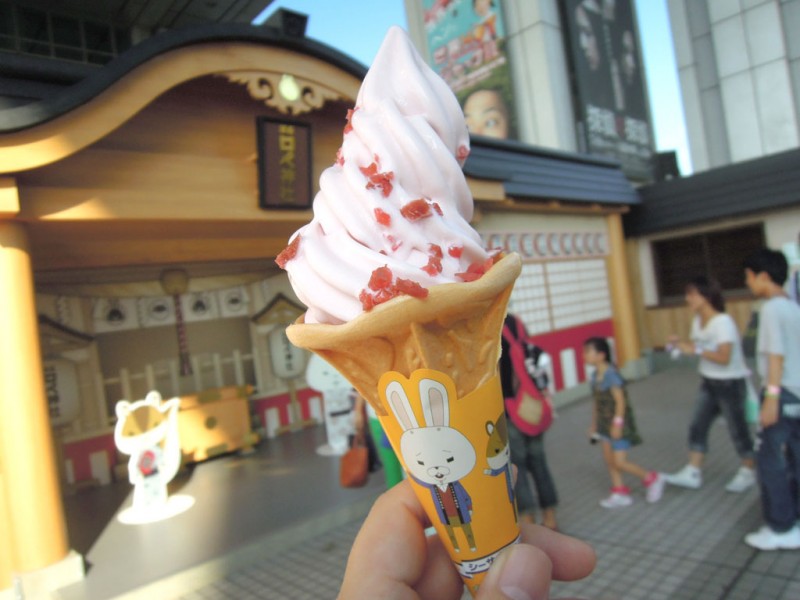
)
(29, 475)
(6, 543)
(625, 330)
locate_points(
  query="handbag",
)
(530, 410)
(752, 408)
(354, 464)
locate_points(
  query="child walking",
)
(614, 425)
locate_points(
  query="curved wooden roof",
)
(43, 132)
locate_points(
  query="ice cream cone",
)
(456, 330)
(429, 369)
(405, 301)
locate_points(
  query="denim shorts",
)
(620, 444)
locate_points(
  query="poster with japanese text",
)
(467, 46)
(608, 79)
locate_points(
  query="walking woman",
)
(715, 339)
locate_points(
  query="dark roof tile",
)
(532, 172)
(768, 183)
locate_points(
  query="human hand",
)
(769, 411)
(392, 559)
(358, 421)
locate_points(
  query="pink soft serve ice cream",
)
(392, 214)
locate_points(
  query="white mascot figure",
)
(147, 430)
(337, 397)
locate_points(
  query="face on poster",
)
(609, 80)
(467, 44)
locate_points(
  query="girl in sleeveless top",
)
(614, 425)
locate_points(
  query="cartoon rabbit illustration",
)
(436, 456)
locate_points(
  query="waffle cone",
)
(455, 330)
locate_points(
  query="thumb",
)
(521, 572)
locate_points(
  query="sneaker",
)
(745, 478)
(655, 489)
(688, 477)
(767, 539)
(616, 500)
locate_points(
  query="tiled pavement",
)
(689, 546)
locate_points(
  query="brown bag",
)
(353, 468)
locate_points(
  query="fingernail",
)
(513, 575)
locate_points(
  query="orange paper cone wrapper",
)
(456, 454)
(429, 369)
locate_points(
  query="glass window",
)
(718, 255)
(34, 31)
(6, 19)
(123, 39)
(98, 58)
(66, 31)
(98, 37)
(728, 250)
(33, 24)
(69, 53)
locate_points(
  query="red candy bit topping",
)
(416, 210)
(381, 289)
(339, 157)
(367, 301)
(377, 180)
(381, 279)
(455, 251)
(371, 170)
(382, 182)
(476, 270)
(383, 217)
(288, 253)
(434, 266)
(410, 288)
(349, 127)
(438, 209)
(462, 152)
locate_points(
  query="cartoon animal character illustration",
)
(436, 456)
(147, 430)
(337, 395)
(498, 453)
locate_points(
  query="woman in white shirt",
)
(723, 390)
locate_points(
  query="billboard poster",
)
(467, 46)
(608, 76)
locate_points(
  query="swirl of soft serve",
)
(392, 214)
